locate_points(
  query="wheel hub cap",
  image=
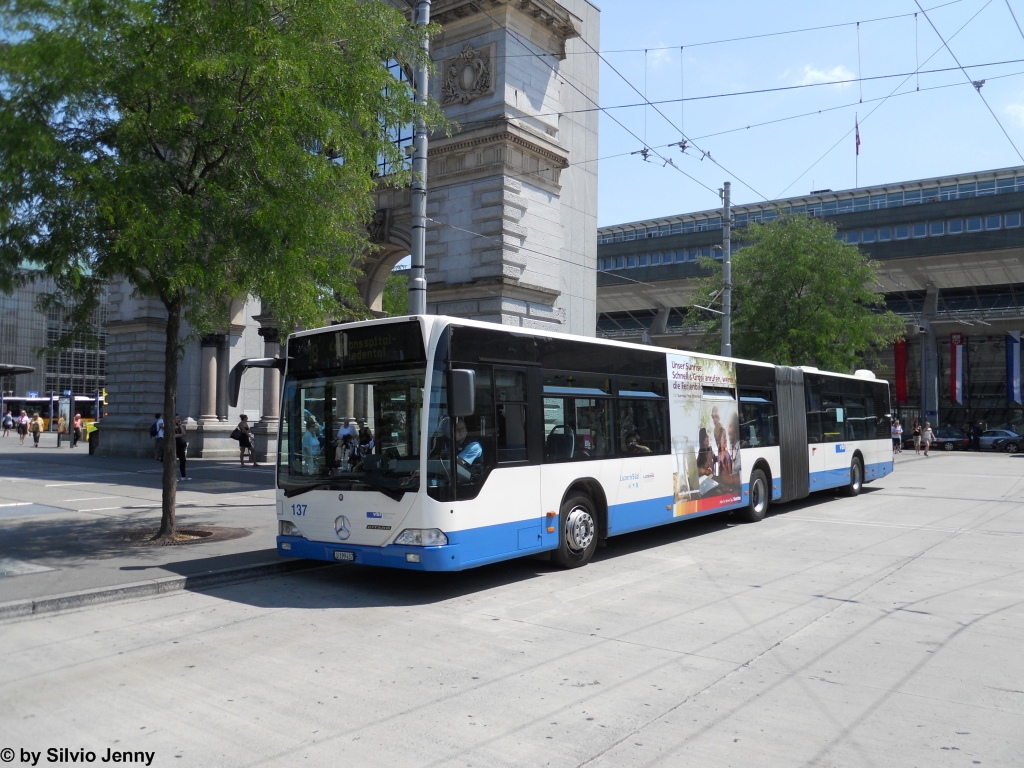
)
(757, 495)
(579, 529)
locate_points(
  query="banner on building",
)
(1013, 368)
(900, 352)
(956, 368)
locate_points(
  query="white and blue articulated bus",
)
(435, 443)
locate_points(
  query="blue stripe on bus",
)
(836, 478)
(493, 543)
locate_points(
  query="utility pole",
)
(726, 273)
(417, 278)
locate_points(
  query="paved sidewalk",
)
(61, 513)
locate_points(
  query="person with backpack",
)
(36, 428)
(156, 431)
(8, 422)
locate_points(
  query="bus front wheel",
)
(577, 537)
(856, 479)
(757, 503)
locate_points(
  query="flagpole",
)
(856, 161)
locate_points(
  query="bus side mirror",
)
(462, 394)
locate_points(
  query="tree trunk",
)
(170, 478)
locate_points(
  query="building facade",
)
(950, 253)
(29, 338)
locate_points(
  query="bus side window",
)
(643, 427)
(510, 418)
(759, 420)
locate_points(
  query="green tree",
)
(396, 295)
(800, 297)
(200, 150)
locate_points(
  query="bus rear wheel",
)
(757, 500)
(577, 537)
(856, 479)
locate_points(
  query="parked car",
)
(950, 439)
(1008, 444)
(989, 436)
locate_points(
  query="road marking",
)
(11, 567)
(62, 485)
(96, 509)
(19, 504)
(89, 498)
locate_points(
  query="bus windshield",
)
(357, 431)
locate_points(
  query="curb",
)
(161, 586)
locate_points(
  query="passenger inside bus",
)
(633, 445)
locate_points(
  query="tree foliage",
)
(800, 297)
(395, 300)
(201, 150)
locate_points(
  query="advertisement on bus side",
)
(704, 418)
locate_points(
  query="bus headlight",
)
(422, 537)
(287, 528)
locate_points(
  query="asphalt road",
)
(885, 630)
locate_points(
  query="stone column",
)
(266, 430)
(209, 380)
(223, 368)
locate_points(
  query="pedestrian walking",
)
(157, 431)
(62, 427)
(22, 427)
(927, 436)
(897, 436)
(245, 440)
(36, 428)
(975, 437)
(76, 430)
(180, 445)
(8, 422)
(916, 434)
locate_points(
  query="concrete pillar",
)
(265, 432)
(929, 359)
(208, 379)
(223, 368)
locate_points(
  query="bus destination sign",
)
(365, 347)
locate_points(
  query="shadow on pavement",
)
(357, 586)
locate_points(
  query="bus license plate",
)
(346, 557)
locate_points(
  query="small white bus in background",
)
(435, 443)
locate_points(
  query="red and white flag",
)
(856, 128)
(956, 368)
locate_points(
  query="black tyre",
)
(577, 536)
(856, 479)
(1012, 447)
(758, 497)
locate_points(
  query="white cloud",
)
(1016, 111)
(659, 58)
(814, 75)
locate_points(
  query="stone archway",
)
(502, 245)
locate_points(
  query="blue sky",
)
(924, 133)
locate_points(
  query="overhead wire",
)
(758, 36)
(847, 81)
(977, 85)
(1014, 15)
(540, 57)
(524, 248)
(876, 108)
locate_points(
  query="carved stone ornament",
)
(468, 76)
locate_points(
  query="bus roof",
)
(430, 322)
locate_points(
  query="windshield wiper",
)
(389, 492)
(289, 492)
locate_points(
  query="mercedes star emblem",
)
(343, 527)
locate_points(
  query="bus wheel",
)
(577, 538)
(757, 505)
(856, 478)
